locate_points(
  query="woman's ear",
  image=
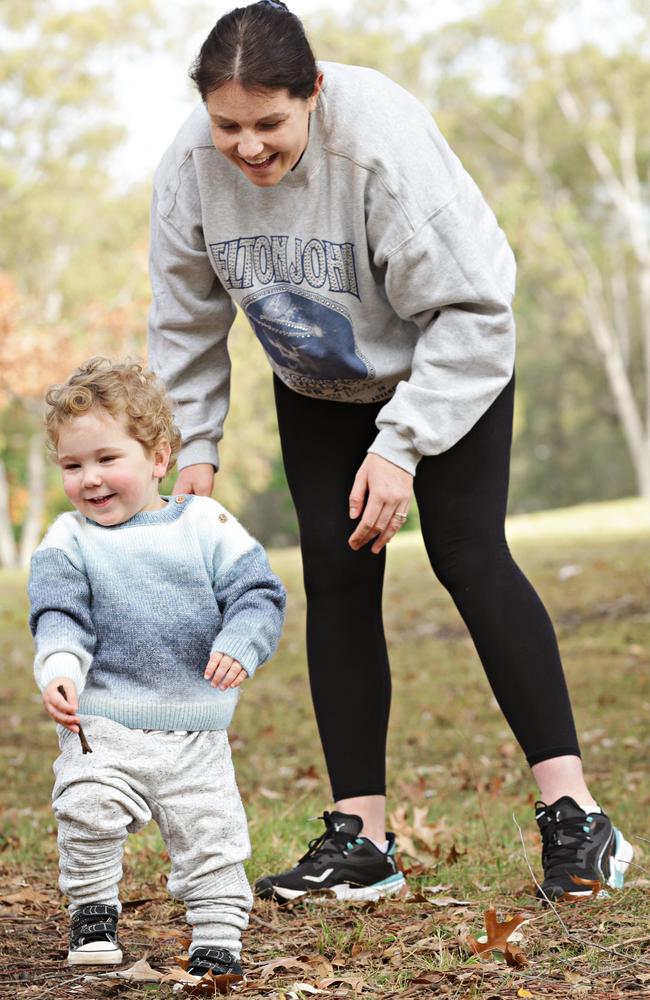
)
(312, 100)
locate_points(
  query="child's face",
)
(107, 474)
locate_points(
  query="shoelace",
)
(557, 855)
(330, 842)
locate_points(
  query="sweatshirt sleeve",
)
(190, 317)
(60, 618)
(458, 292)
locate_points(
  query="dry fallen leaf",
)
(497, 938)
(141, 972)
(574, 897)
(281, 963)
(210, 985)
(26, 896)
(178, 975)
(268, 793)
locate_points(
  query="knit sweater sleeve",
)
(459, 294)
(191, 315)
(60, 618)
(250, 598)
(252, 602)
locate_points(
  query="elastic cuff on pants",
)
(551, 753)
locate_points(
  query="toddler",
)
(149, 612)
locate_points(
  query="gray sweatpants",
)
(186, 782)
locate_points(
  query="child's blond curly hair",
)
(122, 388)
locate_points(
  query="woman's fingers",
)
(394, 524)
(389, 489)
(197, 479)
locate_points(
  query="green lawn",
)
(453, 766)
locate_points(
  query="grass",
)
(451, 757)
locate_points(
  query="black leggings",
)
(462, 497)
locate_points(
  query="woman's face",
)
(264, 134)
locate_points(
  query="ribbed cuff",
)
(396, 448)
(198, 452)
(61, 664)
(241, 650)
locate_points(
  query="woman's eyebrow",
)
(276, 116)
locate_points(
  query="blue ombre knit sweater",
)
(132, 612)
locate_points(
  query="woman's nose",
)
(249, 146)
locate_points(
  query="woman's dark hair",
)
(261, 47)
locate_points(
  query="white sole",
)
(81, 957)
(346, 892)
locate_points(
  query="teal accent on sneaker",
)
(391, 880)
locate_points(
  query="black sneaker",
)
(219, 961)
(93, 936)
(341, 861)
(585, 844)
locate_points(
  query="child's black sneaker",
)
(341, 861)
(584, 844)
(93, 936)
(219, 961)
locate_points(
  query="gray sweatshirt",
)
(373, 271)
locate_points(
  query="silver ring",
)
(402, 517)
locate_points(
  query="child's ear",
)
(161, 455)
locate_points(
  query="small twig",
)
(85, 745)
(637, 837)
(633, 864)
(570, 934)
(264, 923)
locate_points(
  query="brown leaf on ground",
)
(209, 985)
(356, 982)
(515, 956)
(26, 896)
(271, 968)
(141, 972)
(178, 975)
(497, 937)
(578, 897)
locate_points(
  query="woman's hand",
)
(63, 710)
(197, 479)
(389, 490)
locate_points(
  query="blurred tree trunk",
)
(8, 550)
(33, 522)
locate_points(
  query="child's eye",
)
(70, 466)
(107, 458)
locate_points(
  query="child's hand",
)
(224, 672)
(62, 710)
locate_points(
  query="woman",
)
(324, 200)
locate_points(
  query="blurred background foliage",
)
(554, 132)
